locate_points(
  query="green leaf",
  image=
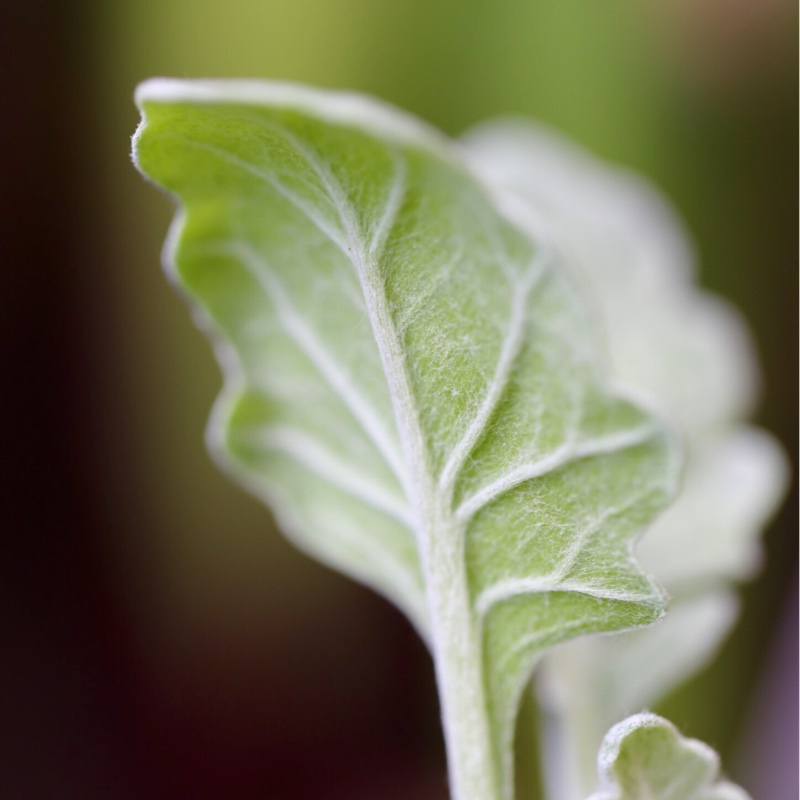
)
(689, 353)
(645, 758)
(411, 383)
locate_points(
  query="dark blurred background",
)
(159, 638)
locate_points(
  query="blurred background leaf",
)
(165, 640)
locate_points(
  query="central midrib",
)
(455, 631)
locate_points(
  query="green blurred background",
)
(166, 641)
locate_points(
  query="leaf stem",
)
(458, 661)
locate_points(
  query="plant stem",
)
(458, 661)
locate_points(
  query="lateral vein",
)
(338, 473)
(510, 349)
(565, 454)
(272, 181)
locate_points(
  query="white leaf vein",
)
(512, 343)
(557, 580)
(391, 209)
(561, 456)
(337, 472)
(278, 186)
